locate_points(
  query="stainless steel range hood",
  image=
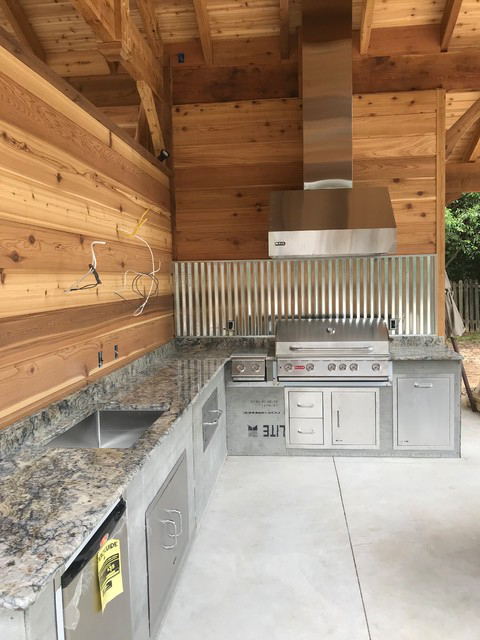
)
(330, 217)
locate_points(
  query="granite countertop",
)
(51, 499)
(421, 348)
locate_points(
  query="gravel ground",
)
(469, 346)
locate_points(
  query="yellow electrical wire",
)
(139, 224)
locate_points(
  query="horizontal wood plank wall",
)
(66, 180)
(230, 155)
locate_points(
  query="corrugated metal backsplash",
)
(247, 297)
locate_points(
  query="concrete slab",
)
(415, 531)
(271, 560)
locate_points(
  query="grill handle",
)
(331, 350)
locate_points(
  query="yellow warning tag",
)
(109, 571)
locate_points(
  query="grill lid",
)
(362, 337)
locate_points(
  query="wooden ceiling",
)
(60, 29)
(398, 45)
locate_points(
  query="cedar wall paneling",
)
(229, 156)
(65, 180)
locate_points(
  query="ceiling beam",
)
(102, 17)
(284, 29)
(461, 126)
(463, 177)
(135, 56)
(151, 113)
(472, 152)
(21, 26)
(449, 20)
(204, 29)
(451, 197)
(452, 71)
(366, 25)
(120, 41)
(152, 30)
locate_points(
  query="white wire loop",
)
(76, 286)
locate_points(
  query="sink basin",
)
(106, 430)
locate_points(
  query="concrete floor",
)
(316, 548)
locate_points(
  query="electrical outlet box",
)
(231, 325)
(393, 324)
(115, 351)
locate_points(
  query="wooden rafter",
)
(152, 30)
(23, 29)
(473, 150)
(449, 20)
(102, 17)
(452, 71)
(151, 113)
(284, 29)
(120, 41)
(462, 177)
(461, 126)
(204, 29)
(366, 25)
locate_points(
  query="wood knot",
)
(31, 239)
(2, 276)
(59, 177)
(14, 256)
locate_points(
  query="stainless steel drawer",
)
(305, 404)
(306, 431)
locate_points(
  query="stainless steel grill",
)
(334, 349)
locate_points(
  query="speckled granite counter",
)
(51, 499)
(421, 348)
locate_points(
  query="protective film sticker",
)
(109, 571)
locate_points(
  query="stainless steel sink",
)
(106, 430)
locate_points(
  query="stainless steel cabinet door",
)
(167, 538)
(424, 412)
(354, 418)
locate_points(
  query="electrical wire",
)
(76, 286)
(138, 275)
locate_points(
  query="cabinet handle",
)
(218, 412)
(423, 385)
(179, 514)
(306, 433)
(211, 424)
(338, 418)
(305, 406)
(175, 534)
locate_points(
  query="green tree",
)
(463, 237)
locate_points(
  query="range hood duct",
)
(330, 217)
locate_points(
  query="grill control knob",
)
(310, 366)
(343, 367)
(332, 366)
(255, 367)
(376, 366)
(240, 367)
(354, 366)
(288, 367)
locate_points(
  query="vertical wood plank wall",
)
(229, 156)
(66, 180)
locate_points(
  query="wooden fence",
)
(467, 296)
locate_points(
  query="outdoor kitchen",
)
(239, 319)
